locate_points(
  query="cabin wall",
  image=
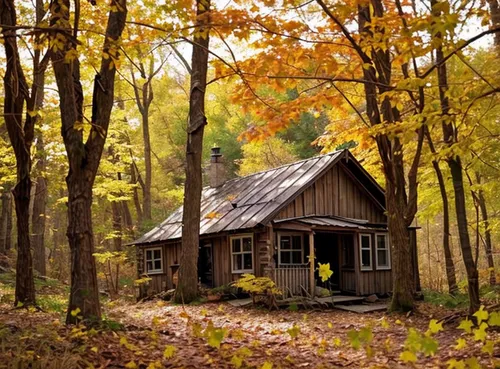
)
(335, 193)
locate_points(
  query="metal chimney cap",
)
(215, 151)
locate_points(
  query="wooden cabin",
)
(273, 223)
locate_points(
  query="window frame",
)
(387, 249)
(152, 249)
(361, 267)
(291, 234)
(241, 237)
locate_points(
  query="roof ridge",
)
(279, 167)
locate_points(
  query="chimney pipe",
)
(217, 173)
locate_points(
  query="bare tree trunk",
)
(9, 226)
(137, 202)
(488, 245)
(448, 257)
(38, 225)
(3, 221)
(146, 201)
(84, 155)
(187, 288)
(450, 136)
(21, 137)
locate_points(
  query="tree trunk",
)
(21, 137)
(84, 155)
(9, 226)
(450, 136)
(187, 287)
(494, 6)
(84, 289)
(3, 221)
(146, 207)
(487, 233)
(39, 210)
(448, 257)
(401, 206)
(137, 202)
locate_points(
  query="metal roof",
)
(333, 221)
(246, 202)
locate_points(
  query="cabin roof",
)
(246, 202)
(333, 221)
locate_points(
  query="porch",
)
(358, 254)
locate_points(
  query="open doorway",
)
(205, 265)
(327, 250)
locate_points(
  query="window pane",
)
(149, 266)
(381, 241)
(296, 257)
(297, 243)
(237, 264)
(236, 245)
(157, 254)
(157, 264)
(285, 242)
(365, 258)
(247, 244)
(149, 254)
(285, 257)
(382, 258)
(247, 261)
(365, 242)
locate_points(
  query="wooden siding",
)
(337, 192)
(377, 281)
(348, 280)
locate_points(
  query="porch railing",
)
(292, 279)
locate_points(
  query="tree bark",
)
(84, 156)
(3, 221)
(187, 288)
(488, 245)
(448, 257)
(494, 6)
(21, 137)
(450, 136)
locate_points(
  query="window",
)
(242, 254)
(383, 254)
(291, 249)
(154, 262)
(365, 243)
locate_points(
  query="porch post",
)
(312, 284)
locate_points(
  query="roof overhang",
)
(327, 223)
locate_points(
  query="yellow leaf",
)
(324, 271)
(408, 357)
(461, 343)
(488, 347)
(435, 327)
(131, 365)
(169, 351)
(267, 365)
(480, 333)
(75, 312)
(466, 325)
(94, 349)
(481, 315)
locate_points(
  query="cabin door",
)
(205, 265)
(327, 250)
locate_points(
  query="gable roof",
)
(246, 202)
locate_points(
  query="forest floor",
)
(158, 334)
